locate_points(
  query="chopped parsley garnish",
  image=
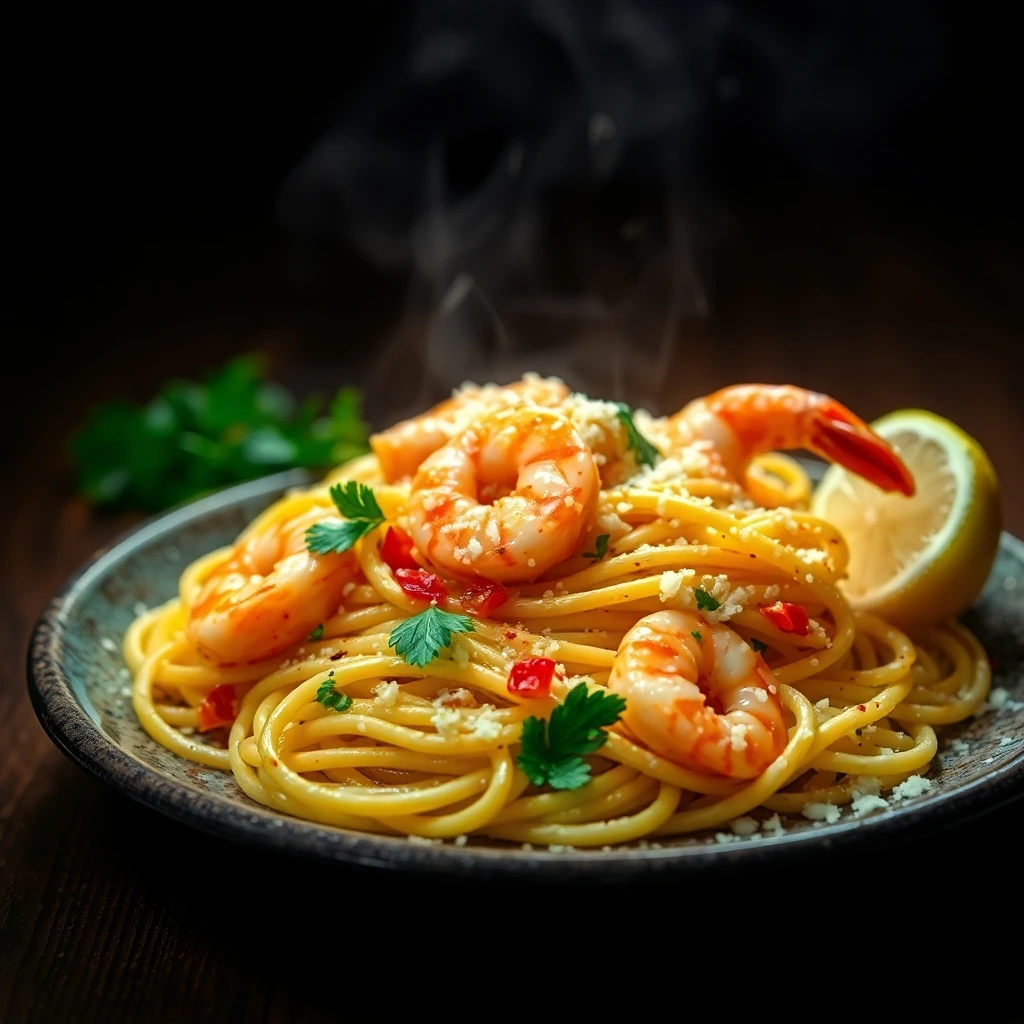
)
(317, 633)
(330, 698)
(357, 504)
(421, 638)
(645, 452)
(552, 751)
(705, 602)
(194, 437)
(758, 645)
(600, 547)
(696, 634)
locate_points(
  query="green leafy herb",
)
(420, 639)
(758, 645)
(646, 453)
(330, 698)
(552, 751)
(357, 503)
(705, 602)
(194, 437)
(600, 547)
(317, 633)
(695, 633)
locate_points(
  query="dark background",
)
(835, 180)
(825, 196)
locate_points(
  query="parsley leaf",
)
(357, 503)
(600, 546)
(695, 633)
(317, 633)
(552, 751)
(705, 602)
(327, 695)
(420, 639)
(646, 453)
(758, 645)
(194, 437)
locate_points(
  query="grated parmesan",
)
(828, 813)
(916, 785)
(387, 692)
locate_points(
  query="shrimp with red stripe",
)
(737, 423)
(507, 499)
(699, 695)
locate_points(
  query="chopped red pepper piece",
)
(421, 585)
(396, 551)
(219, 707)
(531, 677)
(790, 618)
(485, 597)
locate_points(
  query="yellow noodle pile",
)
(431, 751)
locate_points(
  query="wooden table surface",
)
(110, 912)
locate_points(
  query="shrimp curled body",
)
(507, 499)
(269, 594)
(402, 448)
(737, 423)
(699, 695)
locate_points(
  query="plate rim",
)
(78, 737)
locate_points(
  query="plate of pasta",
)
(536, 633)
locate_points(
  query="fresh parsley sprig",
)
(600, 547)
(358, 505)
(705, 601)
(327, 695)
(645, 452)
(759, 645)
(552, 751)
(421, 638)
(196, 436)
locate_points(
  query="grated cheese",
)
(828, 813)
(916, 785)
(745, 826)
(387, 692)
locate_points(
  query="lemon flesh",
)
(918, 560)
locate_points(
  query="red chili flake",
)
(485, 597)
(220, 707)
(860, 707)
(421, 585)
(531, 677)
(790, 618)
(509, 635)
(338, 656)
(396, 551)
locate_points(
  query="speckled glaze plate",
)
(81, 692)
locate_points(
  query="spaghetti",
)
(340, 727)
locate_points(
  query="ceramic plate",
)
(81, 691)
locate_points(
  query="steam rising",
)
(541, 170)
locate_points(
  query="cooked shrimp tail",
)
(746, 420)
(852, 443)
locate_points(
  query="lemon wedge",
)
(918, 560)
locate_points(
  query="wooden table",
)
(109, 912)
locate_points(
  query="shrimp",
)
(269, 594)
(699, 695)
(507, 499)
(402, 448)
(736, 423)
